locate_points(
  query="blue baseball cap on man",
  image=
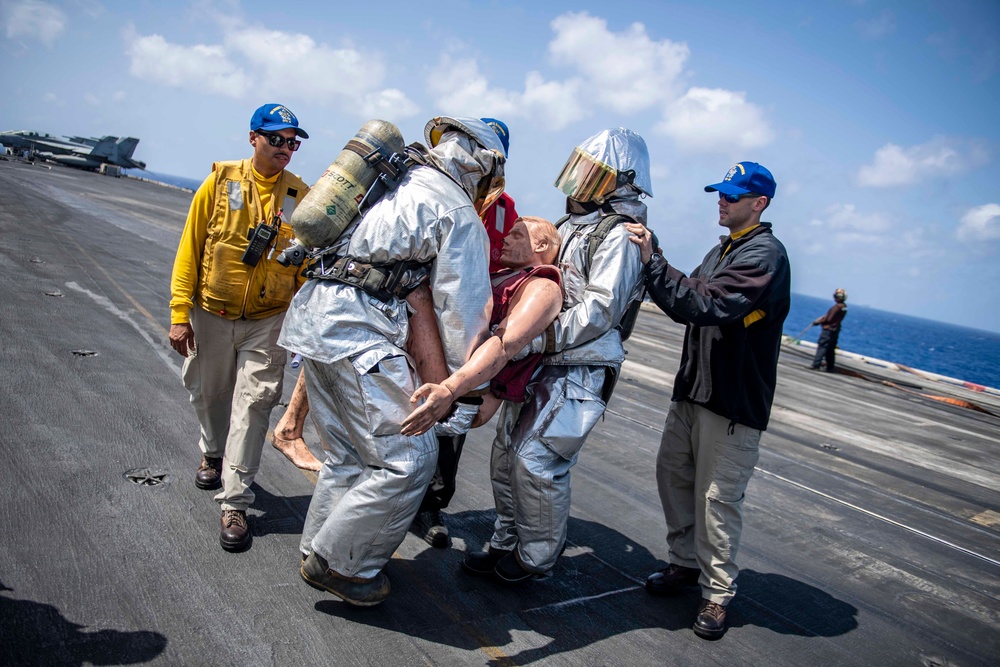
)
(274, 117)
(744, 178)
(501, 129)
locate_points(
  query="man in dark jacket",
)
(734, 306)
(826, 348)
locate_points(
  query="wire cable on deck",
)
(882, 518)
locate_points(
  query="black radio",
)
(260, 238)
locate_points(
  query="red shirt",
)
(498, 220)
(510, 383)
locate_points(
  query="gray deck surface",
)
(872, 530)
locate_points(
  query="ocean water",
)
(959, 352)
(177, 181)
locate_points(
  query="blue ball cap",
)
(274, 117)
(746, 177)
(501, 129)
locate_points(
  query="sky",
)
(878, 119)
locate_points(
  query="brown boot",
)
(711, 620)
(235, 535)
(354, 590)
(672, 579)
(209, 474)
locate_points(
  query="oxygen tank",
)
(332, 203)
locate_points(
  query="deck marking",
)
(158, 347)
(875, 515)
(987, 518)
(105, 303)
(586, 598)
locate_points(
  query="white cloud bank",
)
(626, 72)
(32, 18)
(981, 223)
(844, 225)
(894, 165)
(295, 64)
(715, 119)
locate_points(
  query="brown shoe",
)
(354, 590)
(672, 579)
(235, 534)
(209, 475)
(711, 620)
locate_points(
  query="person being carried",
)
(526, 298)
(826, 348)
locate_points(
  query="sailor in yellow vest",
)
(228, 297)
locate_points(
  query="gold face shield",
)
(490, 191)
(585, 178)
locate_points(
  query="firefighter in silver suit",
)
(538, 441)
(353, 341)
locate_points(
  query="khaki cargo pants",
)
(235, 377)
(702, 471)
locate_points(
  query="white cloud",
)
(33, 18)
(293, 63)
(627, 71)
(715, 119)
(91, 99)
(389, 103)
(894, 165)
(199, 67)
(844, 225)
(458, 86)
(981, 223)
(559, 103)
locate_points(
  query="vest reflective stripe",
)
(226, 286)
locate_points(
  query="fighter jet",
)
(78, 152)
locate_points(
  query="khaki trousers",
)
(235, 376)
(702, 470)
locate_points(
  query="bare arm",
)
(424, 343)
(533, 308)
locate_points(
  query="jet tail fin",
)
(104, 146)
(122, 154)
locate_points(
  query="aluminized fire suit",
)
(538, 441)
(360, 379)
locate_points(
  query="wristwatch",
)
(657, 256)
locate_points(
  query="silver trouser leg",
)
(341, 466)
(724, 456)
(260, 372)
(501, 456)
(359, 516)
(551, 428)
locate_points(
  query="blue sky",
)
(878, 119)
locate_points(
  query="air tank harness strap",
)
(382, 281)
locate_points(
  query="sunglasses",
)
(277, 141)
(732, 199)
